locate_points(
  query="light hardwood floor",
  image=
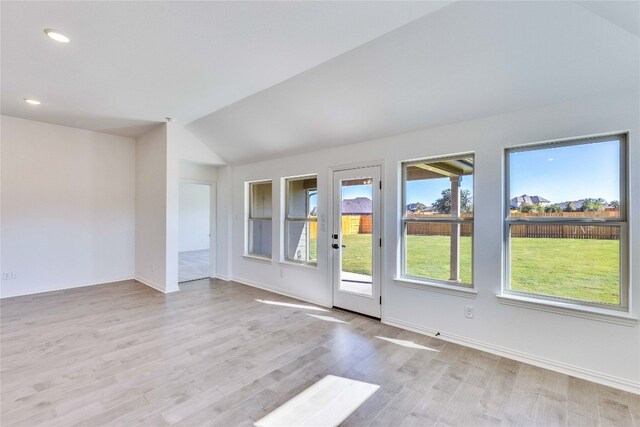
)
(193, 265)
(123, 354)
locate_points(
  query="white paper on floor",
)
(326, 403)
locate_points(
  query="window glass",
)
(567, 261)
(260, 237)
(300, 224)
(565, 221)
(438, 220)
(259, 225)
(429, 251)
(579, 180)
(261, 205)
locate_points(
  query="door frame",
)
(330, 225)
(212, 220)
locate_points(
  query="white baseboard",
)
(223, 278)
(280, 291)
(78, 285)
(152, 285)
(552, 365)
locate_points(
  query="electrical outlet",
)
(468, 312)
(152, 268)
(282, 272)
(14, 275)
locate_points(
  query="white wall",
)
(602, 351)
(68, 207)
(224, 224)
(198, 172)
(164, 156)
(151, 208)
(194, 216)
(190, 148)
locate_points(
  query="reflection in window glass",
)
(259, 222)
(301, 227)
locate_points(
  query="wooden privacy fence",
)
(435, 229)
(362, 224)
(557, 231)
(366, 224)
(356, 224)
(351, 224)
(313, 230)
(566, 231)
(609, 213)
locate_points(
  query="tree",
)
(531, 208)
(570, 208)
(443, 204)
(421, 207)
(592, 205)
(615, 204)
(552, 209)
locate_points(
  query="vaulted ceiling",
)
(255, 80)
(134, 63)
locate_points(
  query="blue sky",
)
(568, 173)
(558, 174)
(428, 191)
(353, 191)
(313, 200)
(425, 191)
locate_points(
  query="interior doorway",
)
(195, 257)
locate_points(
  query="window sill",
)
(424, 285)
(306, 265)
(257, 258)
(568, 309)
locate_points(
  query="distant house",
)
(414, 207)
(530, 200)
(357, 206)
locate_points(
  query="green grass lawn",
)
(583, 269)
(580, 269)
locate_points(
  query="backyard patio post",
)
(455, 229)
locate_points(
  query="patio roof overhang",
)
(442, 169)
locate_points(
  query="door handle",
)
(337, 246)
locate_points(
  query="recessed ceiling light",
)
(32, 101)
(57, 35)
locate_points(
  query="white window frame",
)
(250, 217)
(288, 218)
(404, 277)
(621, 222)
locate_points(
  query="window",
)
(437, 220)
(300, 221)
(565, 223)
(259, 223)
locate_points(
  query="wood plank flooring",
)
(193, 265)
(123, 354)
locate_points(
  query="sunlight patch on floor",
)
(408, 344)
(327, 318)
(286, 304)
(326, 403)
